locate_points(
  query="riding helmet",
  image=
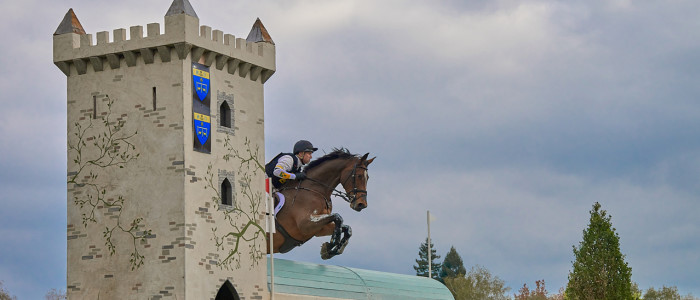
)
(304, 146)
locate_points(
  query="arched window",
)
(227, 292)
(226, 193)
(225, 115)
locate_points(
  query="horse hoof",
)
(324, 251)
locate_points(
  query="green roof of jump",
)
(301, 278)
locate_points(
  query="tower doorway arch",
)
(227, 292)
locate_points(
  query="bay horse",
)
(308, 210)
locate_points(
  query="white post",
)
(271, 230)
(430, 267)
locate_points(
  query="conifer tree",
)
(422, 261)
(452, 266)
(599, 271)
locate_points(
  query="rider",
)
(287, 166)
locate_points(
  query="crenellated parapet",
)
(76, 53)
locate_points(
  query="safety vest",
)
(270, 167)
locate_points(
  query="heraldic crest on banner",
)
(202, 127)
(200, 77)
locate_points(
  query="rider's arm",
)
(284, 165)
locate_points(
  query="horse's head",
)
(354, 180)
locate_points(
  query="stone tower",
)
(153, 121)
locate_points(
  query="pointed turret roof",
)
(259, 34)
(181, 7)
(70, 24)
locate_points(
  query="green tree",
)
(422, 261)
(55, 294)
(5, 294)
(478, 284)
(539, 293)
(666, 293)
(452, 265)
(636, 292)
(599, 271)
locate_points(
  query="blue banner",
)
(202, 127)
(201, 112)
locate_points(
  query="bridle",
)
(347, 196)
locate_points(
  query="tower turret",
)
(70, 24)
(259, 34)
(181, 7)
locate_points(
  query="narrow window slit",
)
(226, 193)
(225, 115)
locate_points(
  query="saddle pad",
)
(280, 197)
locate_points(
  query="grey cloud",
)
(507, 119)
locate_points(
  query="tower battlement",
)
(76, 54)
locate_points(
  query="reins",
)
(299, 187)
(347, 196)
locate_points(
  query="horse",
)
(308, 210)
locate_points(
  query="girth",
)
(289, 242)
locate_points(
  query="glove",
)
(300, 176)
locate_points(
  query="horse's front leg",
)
(323, 225)
(340, 235)
(347, 233)
(326, 224)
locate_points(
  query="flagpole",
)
(430, 267)
(270, 203)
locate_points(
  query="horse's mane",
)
(336, 153)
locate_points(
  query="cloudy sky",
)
(506, 119)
